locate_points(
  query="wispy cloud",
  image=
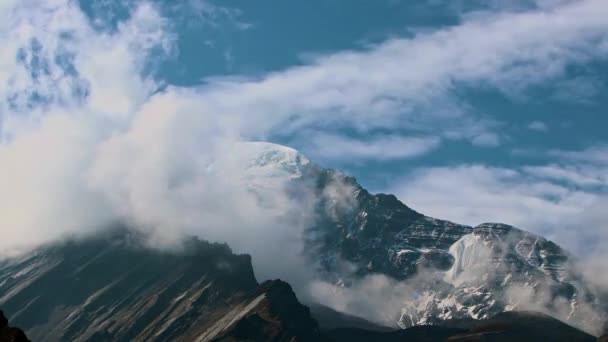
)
(474, 194)
(381, 147)
(578, 90)
(555, 200)
(565, 202)
(596, 154)
(486, 140)
(408, 83)
(538, 126)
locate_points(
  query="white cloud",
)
(596, 154)
(486, 140)
(578, 90)
(577, 175)
(538, 126)
(406, 83)
(383, 147)
(551, 200)
(388, 85)
(46, 148)
(473, 194)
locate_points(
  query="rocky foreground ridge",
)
(112, 288)
(10, 334)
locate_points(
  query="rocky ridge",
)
(10, 334)
(113, 288)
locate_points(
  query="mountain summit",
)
(455, 271)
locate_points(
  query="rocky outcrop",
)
(10, 334)
(114, 288)
(272, 313)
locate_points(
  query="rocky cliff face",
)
(10, 334)
(273, 314)
(111, 288)
(456, 271)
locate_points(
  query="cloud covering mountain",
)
(91, 134)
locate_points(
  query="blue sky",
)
(472, 111)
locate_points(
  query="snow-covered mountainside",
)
(501, 268)
(458, 271)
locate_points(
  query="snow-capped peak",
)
(265, 155)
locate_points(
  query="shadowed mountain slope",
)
(10, 334)
(504, 327)
(112, 288)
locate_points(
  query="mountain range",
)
(457, 281)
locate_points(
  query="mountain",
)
(453, 270)
(503, 327)
(112, 288)
(274, 314)
(330, 319)
(457, 271)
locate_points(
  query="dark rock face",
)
(274, 314)
(522, 326)
(113, 288)
(471, 272)
(376, 234)
(10, 334)
(379, 234)
(330, 319)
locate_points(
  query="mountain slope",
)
(457, 271)
(112, 288)
(273, 315)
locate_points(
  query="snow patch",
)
(471, 258)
